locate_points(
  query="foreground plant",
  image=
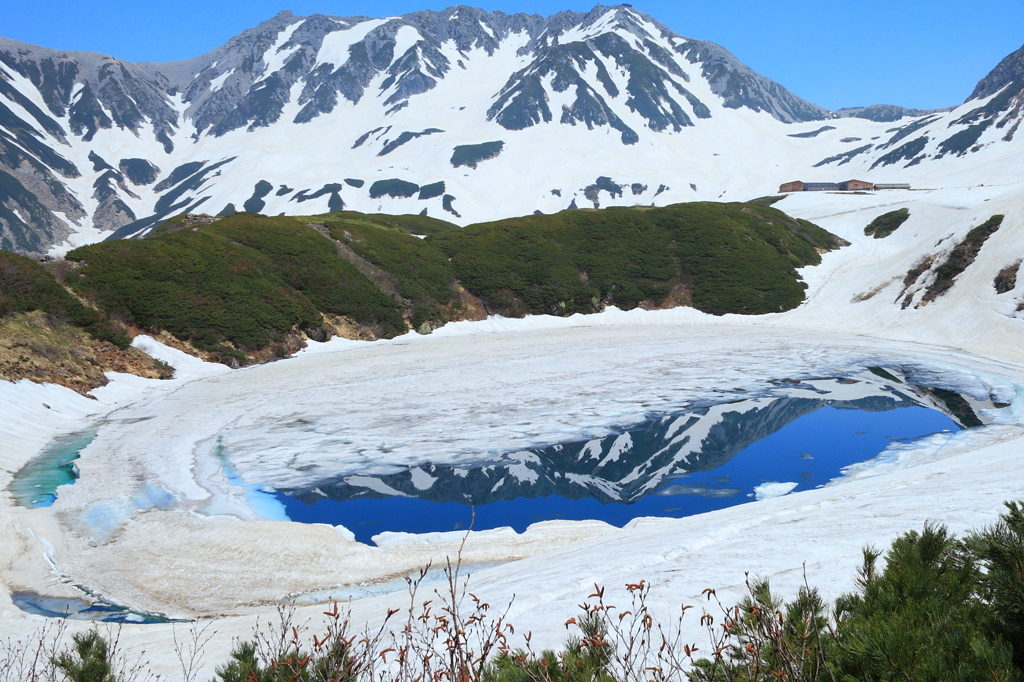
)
(628, 645)
(89, 660)
(940, 609)
(926, 616)
(449, 636)
(762, 639)
(30, 659)
(1000, 551)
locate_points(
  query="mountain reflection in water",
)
(705, 458)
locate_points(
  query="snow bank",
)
(186, 367)
(772, 489)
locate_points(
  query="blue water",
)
(35, 485)
(265, 504)
(810, 451)
(79, 609)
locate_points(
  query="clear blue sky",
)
(907, 52)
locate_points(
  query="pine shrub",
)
(921, 617)
(89, 660)
(1000, 550)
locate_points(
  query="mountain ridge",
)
(598, 108)
(1008, 71)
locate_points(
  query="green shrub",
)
(1000, 550)
(409, 224)
(764, 639)
(422, 271)
(767, 200)
(941, 609)
(961, 257)
(240, 284)
(89, 660)
(922, 617)
(25, 286)
(309, 264)
(732, 258)
(584, 659)
(245, 665)
(887, 223)
(244, 281)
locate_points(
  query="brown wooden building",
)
(847, 186)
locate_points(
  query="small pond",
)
(35, 485)
(672, 465)
(80, 609)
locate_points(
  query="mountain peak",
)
(1009, 70)
(461, 111)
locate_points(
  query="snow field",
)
(819, 531)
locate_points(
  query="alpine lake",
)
(797, 434)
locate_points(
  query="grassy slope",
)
(409, 224)
(246, 280)
(240, 286)
(48, 335)
(731, 257)
(39, 347)
(25, 286)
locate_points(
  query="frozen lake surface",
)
(80, 609)
(555, 424)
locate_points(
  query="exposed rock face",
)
(741, 87)
(92, 92)
(885, 113)
(1007, 72)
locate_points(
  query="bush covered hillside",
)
(26, 287)
(408, 267)
(235, 286)
(47, 335)
(248, 287)
(719, 258)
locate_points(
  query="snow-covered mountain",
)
(463, 114)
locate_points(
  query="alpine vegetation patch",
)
(472, 154)
(887, 223)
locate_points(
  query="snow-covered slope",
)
(465, 114)
(158, 522)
